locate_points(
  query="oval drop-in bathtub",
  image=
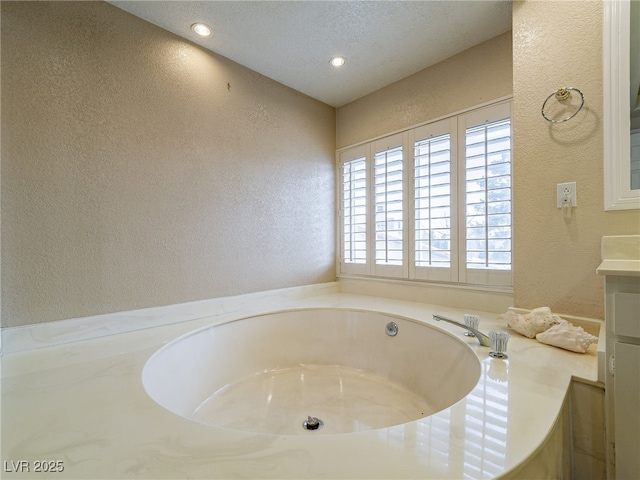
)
(269, 373)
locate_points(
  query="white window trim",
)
(345, 156)
(481, 276)
(618, 194)
(434, 274)
(380, 270)
(458, 274)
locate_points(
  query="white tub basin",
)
(268, 373)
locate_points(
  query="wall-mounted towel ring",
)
(562, 95)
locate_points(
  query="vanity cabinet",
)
(622, 381)
(626, 384)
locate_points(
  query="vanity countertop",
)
(620, 255)
(629, 268)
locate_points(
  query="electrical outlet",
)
(567, 192)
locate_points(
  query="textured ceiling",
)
(293, 41)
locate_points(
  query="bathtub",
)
(134, 405)
(312, 371)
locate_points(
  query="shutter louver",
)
(432, 180)
(354, 208)
(388, 206)
(488, 196)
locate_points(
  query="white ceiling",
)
(293, 41)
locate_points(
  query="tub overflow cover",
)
(392, 329)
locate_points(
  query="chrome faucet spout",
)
(482, 338)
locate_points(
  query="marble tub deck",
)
(83, 405)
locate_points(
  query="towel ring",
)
(561, 95)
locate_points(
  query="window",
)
(354, 207)
(431, 203)
(434, 152)
(388, 204)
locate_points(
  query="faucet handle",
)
(498, 340)
(472, 321)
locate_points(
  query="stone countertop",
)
(83, 405)
(620, 255)
(629, 268)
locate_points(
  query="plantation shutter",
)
(434, 226)
(486, 191)
(353, 211)
(388, 205)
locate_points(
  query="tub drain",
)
(312, 423)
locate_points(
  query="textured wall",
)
(477, 75)
(558, 44)
(555, 43)
(141, 170)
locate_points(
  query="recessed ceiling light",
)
(201, 29)
(337, 61)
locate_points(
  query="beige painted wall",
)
(555, 43)
(475, 76)
(132, 176)
(558, 44)
(141, 170)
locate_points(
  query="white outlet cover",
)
(570, 188)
